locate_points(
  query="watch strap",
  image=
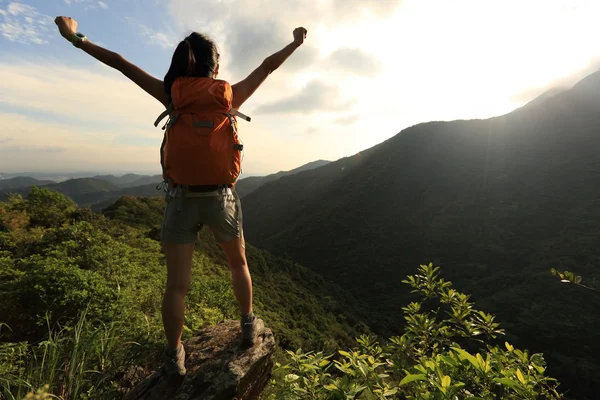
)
(77, 38)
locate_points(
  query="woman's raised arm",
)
(153, 86)
(244, 89)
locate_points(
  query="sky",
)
(367, 70)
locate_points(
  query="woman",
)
(195, 57)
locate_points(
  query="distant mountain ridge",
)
(21, 181)
(130, 180)
(101, 191)
(246, 186)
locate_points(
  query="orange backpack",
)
(201, 146)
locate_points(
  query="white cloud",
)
(316, 96)
(22, 23)
(47, 145)
(356, 61)
(164, 40)
(103, 4)
(49, 86)
(347, 119)
(70, 2)
(18, 8)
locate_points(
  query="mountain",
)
(98, 192)
(84, 191)
(101, 191)
(496, 202)
(248, 185)
(21, 181)
(130, 180)
(149, 190)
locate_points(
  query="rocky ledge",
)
(217, 367)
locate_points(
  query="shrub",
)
(447, 351)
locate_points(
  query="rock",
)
(217, 368)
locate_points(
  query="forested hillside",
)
(58, 261)
(496, 202)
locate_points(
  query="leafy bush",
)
(87, 286)
(446, 352)
(48, 208)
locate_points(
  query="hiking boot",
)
(248, 324)
(174, 362)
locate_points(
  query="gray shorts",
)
(187, 213)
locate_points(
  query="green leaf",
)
(446, 381)
(539, 369)
(291, 378)
(520, 376)
(344, 353)
(507, 382)
(411, 378)
(509, 347)
(464, 355)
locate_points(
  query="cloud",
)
(33, 149)
(316, 96)
(164, 40)
(70, 2)
(347, 119)
(103, 4)
(46, 145)
(99, 119)
(248, 31)
(356, 61)
(253, 40)
(22, 23)
(55, 89)
(562, 83)
(18, 8)
(350, 8)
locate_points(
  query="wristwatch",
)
(78, 38)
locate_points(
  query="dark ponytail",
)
(195, 56)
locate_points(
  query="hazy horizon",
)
(65, 175)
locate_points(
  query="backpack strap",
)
(164, 114)
(239, 114)
(167, 181)
(167, 113)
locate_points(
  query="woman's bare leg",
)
(179, 269)
(240, 275)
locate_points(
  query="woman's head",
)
(195, 56)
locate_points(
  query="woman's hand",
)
(66, 26)
(299, 35)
